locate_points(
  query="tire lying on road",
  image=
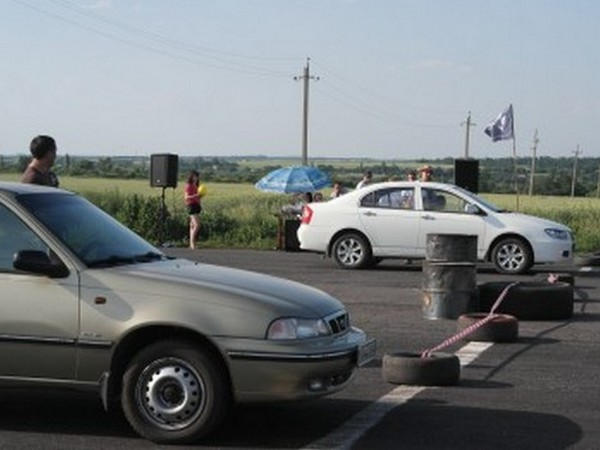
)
(502, 328)
(529, 300)
(440, 369)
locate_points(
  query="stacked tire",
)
(529, 300)
(438, 369)
(501, 328)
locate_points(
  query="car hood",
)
(514, 218)
(186, 279)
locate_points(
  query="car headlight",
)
(557, 234)
(293, 328)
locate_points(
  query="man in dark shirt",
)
(43, 150)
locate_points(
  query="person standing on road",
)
(366, 179)
(43, 150)
(192, 202)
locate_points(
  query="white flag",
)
(503, 127)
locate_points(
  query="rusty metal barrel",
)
(449, 285)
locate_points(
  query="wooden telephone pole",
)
(468, 124)
(306, 77)
(533, 155)
(574, 178)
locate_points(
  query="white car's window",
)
(391, 198)
(15, 236)
(439, 200)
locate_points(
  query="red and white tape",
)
(470, 329)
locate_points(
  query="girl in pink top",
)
(192, 202)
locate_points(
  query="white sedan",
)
(392, 220)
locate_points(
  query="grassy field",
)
(244, 216)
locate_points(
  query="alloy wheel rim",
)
(511, 257)
(170, 393)
(349, 251)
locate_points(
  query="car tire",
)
(512, 256)
(502, 328)
(174, 392)
(440, 369)
(529, 300)
(351, 251)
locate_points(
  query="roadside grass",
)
(238, 215)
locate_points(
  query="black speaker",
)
(163, 170)
(466, 174)
(291, 243)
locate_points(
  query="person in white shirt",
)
(366, 179)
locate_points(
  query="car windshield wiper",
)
(112, 260)
(148, 256)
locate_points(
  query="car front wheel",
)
(351, 251)
(512, 256)
(174, 393)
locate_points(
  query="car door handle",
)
(369, 213)
(428, 217)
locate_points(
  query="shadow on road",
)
(78, 418)
(424, 425)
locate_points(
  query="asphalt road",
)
(540, 392)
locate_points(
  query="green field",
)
(238, 215)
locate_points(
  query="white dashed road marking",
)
(350, 431)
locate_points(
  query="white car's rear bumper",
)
(313, 238)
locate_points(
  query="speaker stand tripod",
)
(162, 218)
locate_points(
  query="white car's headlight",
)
(292, 328)
(557, 234)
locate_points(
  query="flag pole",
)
(514, 149)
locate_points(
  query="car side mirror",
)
(39, 262)
(473, 209)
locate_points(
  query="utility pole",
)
(576, 153)
(533, 151)
(468, 124)
(306, 77)
(598, 186)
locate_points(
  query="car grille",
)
(339, 322)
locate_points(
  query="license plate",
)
(366, 352)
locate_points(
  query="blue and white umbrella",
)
(294, 180)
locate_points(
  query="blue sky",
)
(215, 77)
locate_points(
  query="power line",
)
(150, 48)
(380, 96)
(164, 40)
(355, 103)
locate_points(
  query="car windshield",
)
(94, 236)
(478, 199)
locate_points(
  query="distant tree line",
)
(553, 175)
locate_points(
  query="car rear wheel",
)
(512, 256)
(352, 251)
(174, 393)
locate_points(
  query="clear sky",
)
(215, 77)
